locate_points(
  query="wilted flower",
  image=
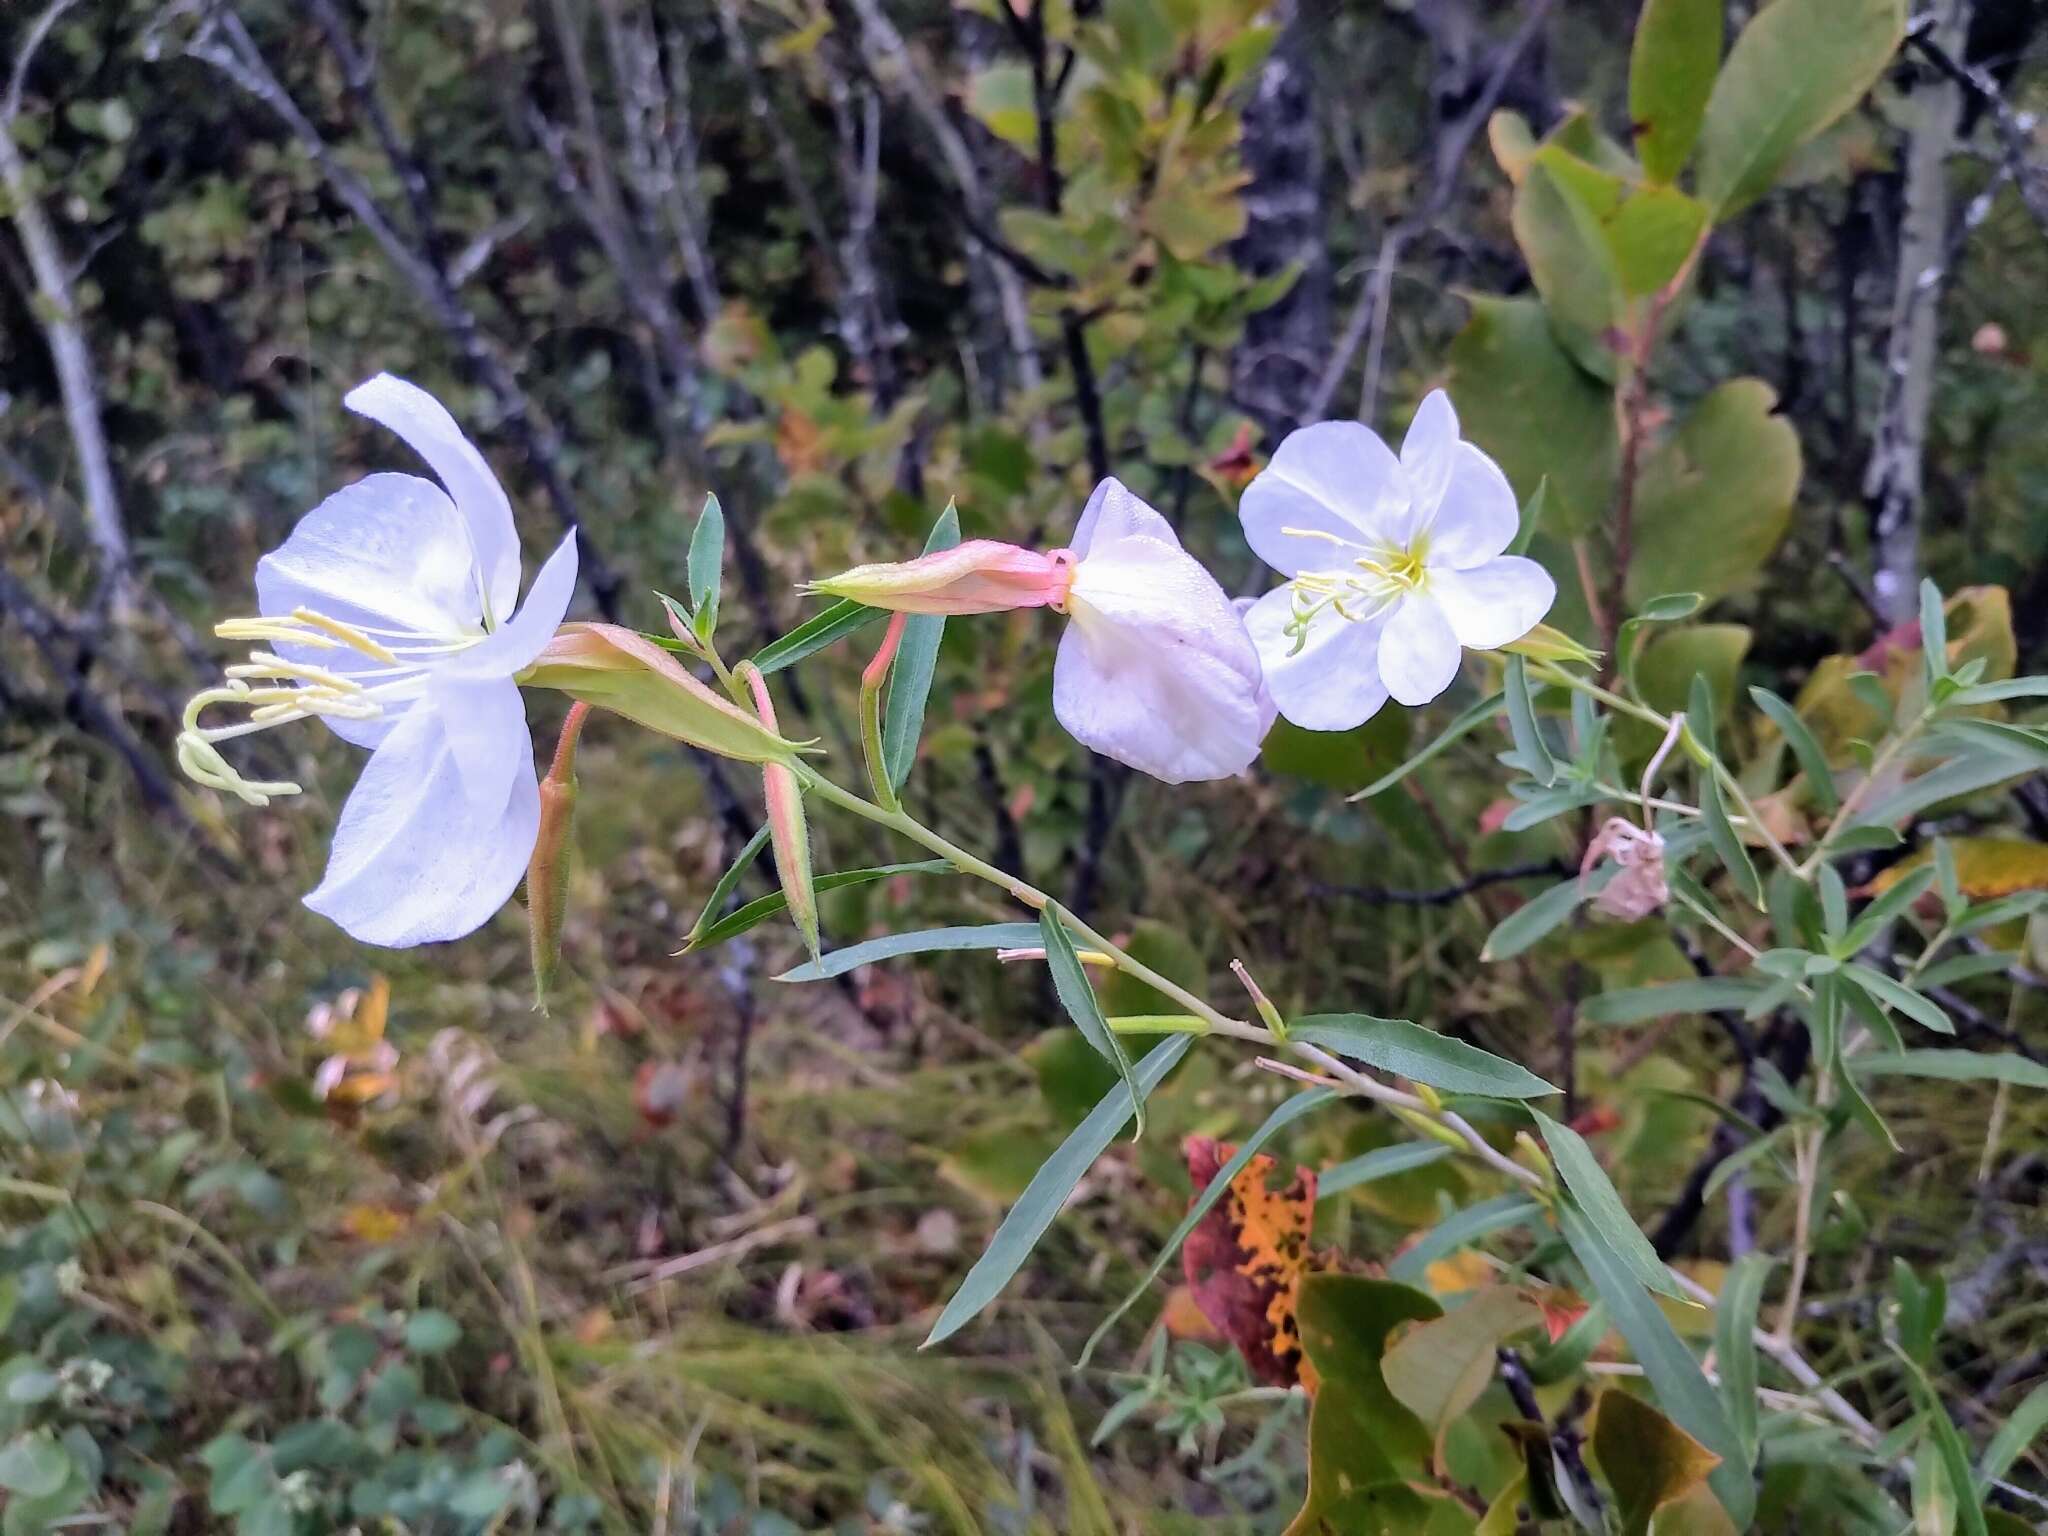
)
(1638, 886)
(1155, 669)
(391, 616)
(1395, 566)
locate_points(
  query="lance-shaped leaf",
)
(917, 655)
(1078, 998)
(619, 669)
(707, 557)
(1420, 1055)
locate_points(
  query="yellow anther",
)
(348, 635)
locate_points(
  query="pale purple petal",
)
(1418, 652)
(1491, 604)
(427, 427)
(1333, 682)
(1335, 478)
(1427, 454)
(1478, 518)
(415, 859)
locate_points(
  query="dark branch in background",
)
(2015, 129)
(225, 45)
(1565, 1441)
(1386, 896)
(1454, 139)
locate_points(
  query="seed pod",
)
(547, 874)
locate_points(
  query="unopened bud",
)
(980, 576)
(787, 833)
(547, 874)
(1546, 644)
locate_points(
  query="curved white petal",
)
(513, 645)
(1114, 511)
(1269, 710)
(425, 424)
(1428, 452)
(484, 724)
(1478, 519)
(1491, 604)
(1334, 478)
(415, 859)
(1155, 669)
(1419, 653)
(1333, 682)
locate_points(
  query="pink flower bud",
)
(980, 576)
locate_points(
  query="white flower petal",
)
(1115, 512)
(485, 726)
(1418, 651)
(516, 643)
(1333, 682)
(1155, 669)
(1491, 604)
(1269, 711)
(425, 424)
(1334, 478)
(1478, 518)
(1427, 454)
(415, 859)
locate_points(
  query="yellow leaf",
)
(1649, 1461)
(1986, 867)
(373, 1223)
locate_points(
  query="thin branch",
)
(1444, 896)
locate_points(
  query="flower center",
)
(1377, 576)
(276, 690)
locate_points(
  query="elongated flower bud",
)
(787, 833)
(547, 874)
(980, 576)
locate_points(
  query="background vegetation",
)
(660, 1259)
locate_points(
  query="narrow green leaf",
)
(1820, 778)
(1933, 631)
(1421, 1055)
(1532, 516)
(910, 676)
(1070, 982)
(1529, 744)
(1922, 1010)
(1728, 847)
(2000, 693)
(1537, 917)
(1048, 1191)
(1955, 1066)
(1674, 1375)
(1283, 1116)
(1671, 71)
(1601, 1202)
(1882, 912)
(1735, 1312)
(1467, 722)
(1637, 1005)
(706, 562)
(2015, 1435)
(1945, 973)
(714, 904)
(815, 633)
(761, 908)
(1948, 1445)
(1380, 1163)
(926, 941)
(1460, 1230)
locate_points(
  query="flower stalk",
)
(871, 681)
(547, 875)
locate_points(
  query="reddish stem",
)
(564, 766)
(879, 667)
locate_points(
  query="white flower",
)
(391, 613)
(1155, 669)
(1396, 565)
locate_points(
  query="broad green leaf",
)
(1922, 1010)
(981, 936)
(1955, 1066)
(1049, 1188)
(1421, 1055)
(1380, 1163)
(1671, 72)
(826, 627)
(1538, 414)
(1469, 720)
(1813, 762)
(1735, 1313)
(1522, 721)
(1363, 1445)
(1536, 918)
(1078, 998)
(1796, 67)
(1601, 1203)
(1438, 1368)
(1674, 1375)
(1716, 495)
(1572, 268)
(34, 1465)
(1460, 1230)
(1283, 1116)
(1638, 1005)
(706, 559)
(1649, 1461)
(1647, 232)
(714, 904)
(1674, 658)
(910, 675)
(759, 910)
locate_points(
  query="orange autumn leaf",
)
(1245, 1259)
(1185, 1319)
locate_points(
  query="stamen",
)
(354, 638)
